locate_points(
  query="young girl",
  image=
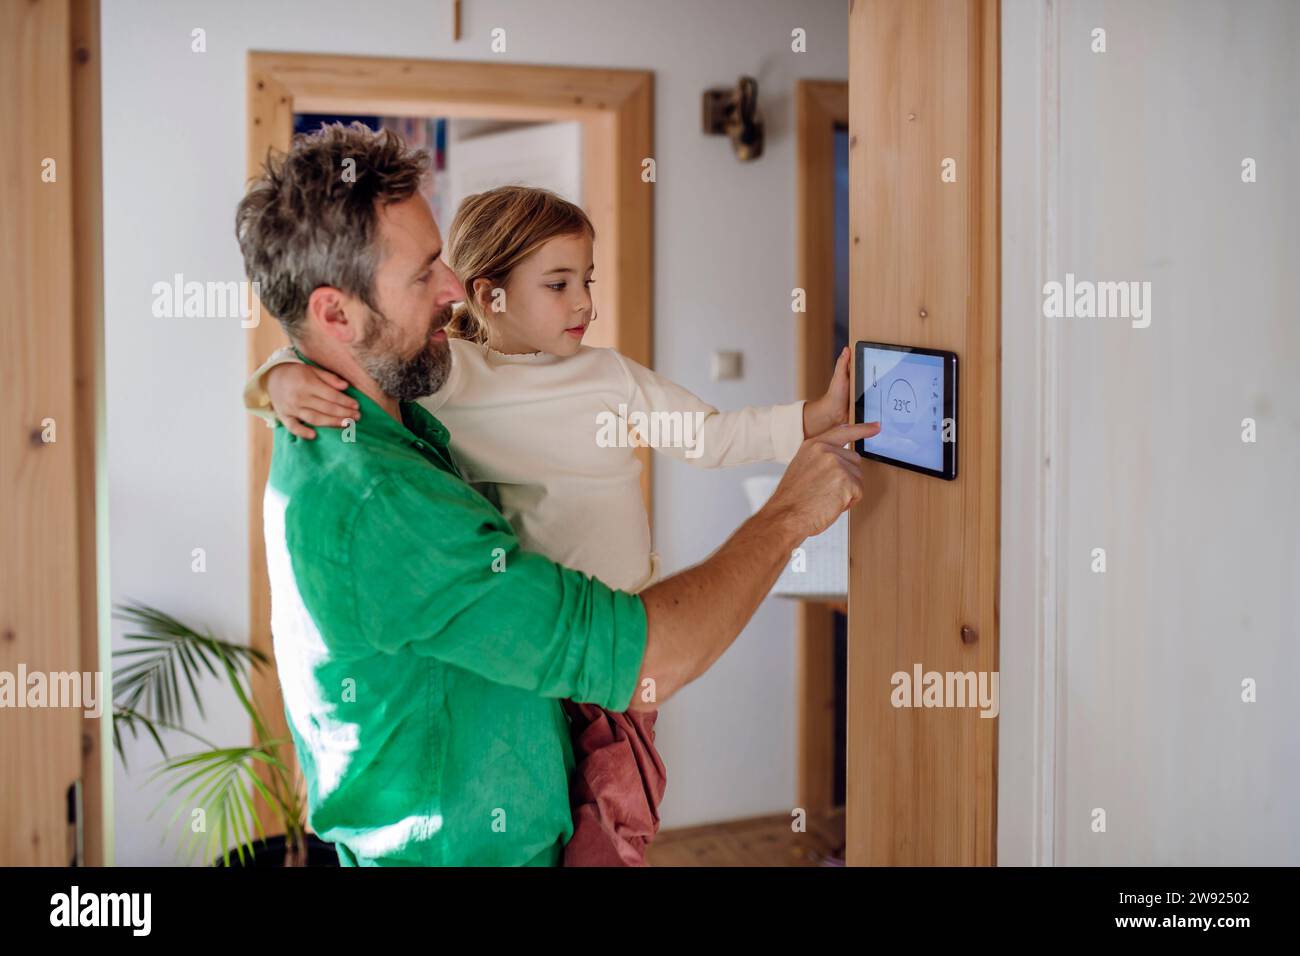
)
(551, 425)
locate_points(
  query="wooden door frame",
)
(51, 614)
(820, 107)
(1033, 491)
(616, 109)
(924, 83)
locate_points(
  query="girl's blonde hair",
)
(492, 233)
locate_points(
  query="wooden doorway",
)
(821, 114)
(616, 111)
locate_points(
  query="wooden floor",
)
(759, 841)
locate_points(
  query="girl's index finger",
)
(329, 378)
(332, 402)
(328, 394)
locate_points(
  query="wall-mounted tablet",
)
(912, 392)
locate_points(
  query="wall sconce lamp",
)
(734, 112)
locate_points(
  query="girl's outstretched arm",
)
(675, 422)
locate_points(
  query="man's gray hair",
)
(310, 219)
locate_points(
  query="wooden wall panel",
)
(820, 106)
(50, 322)
(923, 86)
(88, 360)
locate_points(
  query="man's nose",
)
(451, 290)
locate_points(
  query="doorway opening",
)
(608, 112)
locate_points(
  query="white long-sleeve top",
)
(557, 437)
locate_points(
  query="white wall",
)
(174, 167)
(548, 155)
(1122, 690)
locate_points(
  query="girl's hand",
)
(832, 408)
(303, 395)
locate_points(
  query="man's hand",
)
(303, 395)
(832, 408)
(822, 480)
(693, 616)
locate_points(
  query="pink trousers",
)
(618, 782)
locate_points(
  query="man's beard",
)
(404, 379)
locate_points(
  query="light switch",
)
(726, 365)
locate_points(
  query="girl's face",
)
(547, 305)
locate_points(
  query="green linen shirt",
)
(423, 654)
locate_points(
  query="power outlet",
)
(727, 366)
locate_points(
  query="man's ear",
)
(333, 314)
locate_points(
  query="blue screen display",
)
(904, 392)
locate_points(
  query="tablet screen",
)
(907, 391)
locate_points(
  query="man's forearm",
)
(693, 616)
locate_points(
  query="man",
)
(423, 687)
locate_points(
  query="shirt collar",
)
(417, 423)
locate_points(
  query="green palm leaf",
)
(165, 658)
(220, 782)
(148, 687)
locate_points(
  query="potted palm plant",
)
(150, 685)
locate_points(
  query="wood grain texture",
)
(270, 119)
(44, 587)
(820, 106)
(616, 109)
(755, 841)
(924, 552)
(88, 360)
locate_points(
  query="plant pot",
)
(272, 853)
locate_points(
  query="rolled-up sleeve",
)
(256, 399)
(439, 572)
